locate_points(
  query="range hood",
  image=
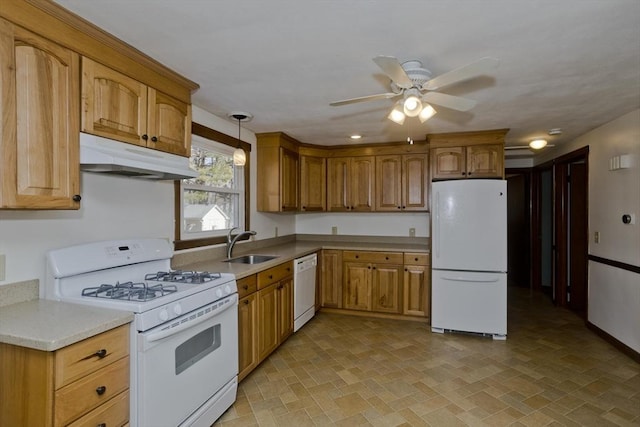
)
(102, 155)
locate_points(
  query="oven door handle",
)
(156, 336)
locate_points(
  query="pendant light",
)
(239, 156)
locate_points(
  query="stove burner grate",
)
(129, 291)
(179, 276)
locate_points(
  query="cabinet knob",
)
(470, 173)
(464, 173)
(102, 425)
(101, 390)
(387, 258)
(154, 139)
(145, 136)
(101, 353)
(246, 302)
(245, 287)
(374, 267)
(398, 207)
(406, 269)
(415, 259)
(304, 207)
(76, 198)
(271, 276)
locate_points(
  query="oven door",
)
(183, 363)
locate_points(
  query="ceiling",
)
(570, 64)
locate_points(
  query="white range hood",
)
(102, 155)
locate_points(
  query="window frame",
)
(219, 137)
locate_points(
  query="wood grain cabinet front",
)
(119, 107)
(278, 168)
(86, 383)
(402, 182)
(351, 184)
(39, 133)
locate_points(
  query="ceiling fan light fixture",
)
(396, 115)
(427, 112)
(538, 144)
(412, 104)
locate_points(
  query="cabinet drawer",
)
(91, 391)
(411, 258)
(247, 285)
(113, 413)
(375, 257)
(275, 274)
(87, 356)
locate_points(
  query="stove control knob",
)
(163, 315)
(177, 309)
(227, 289)
(219, 293)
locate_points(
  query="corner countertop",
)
(289, 251)
(50, 325)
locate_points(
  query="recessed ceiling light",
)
(355, 136)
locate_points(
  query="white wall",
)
(369, 224)
(614, 294)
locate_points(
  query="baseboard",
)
(374, 315)
(614, 342)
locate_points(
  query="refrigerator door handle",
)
(436, 228)
(464, 279)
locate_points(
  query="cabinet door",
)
(113, 105)
(485, 161)
(362, 183)
(415, 182)
(386, 290)
(357, 286)
(313, 184)
(389, 183)
(448, 163)
(331, 279)
(39, 101)
(268, 324)
(416, 290)
(285, 309)
(338, 184)
(247, 335)
(168, 124)
(289, 180)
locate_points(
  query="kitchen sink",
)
(251, 259)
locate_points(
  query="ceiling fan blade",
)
(394, 70)
(449, 101)
(365, 98)
(461, 74)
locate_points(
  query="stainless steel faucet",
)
(231, 241)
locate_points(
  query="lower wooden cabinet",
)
(265, 315)
(71, 386)
(389, 283)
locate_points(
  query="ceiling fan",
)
(414, 84)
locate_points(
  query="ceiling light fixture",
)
(427, 112)
(239, 156)
(396, 115)
(355, 136)
(411, 106)
(537, 144)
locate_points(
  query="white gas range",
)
(184, 338)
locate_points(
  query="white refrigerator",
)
(469, 256)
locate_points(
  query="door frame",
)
(528, 175)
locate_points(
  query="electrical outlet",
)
(2, 267)
(412, 232)
(596, 237)
(334, 230)
(276, 232)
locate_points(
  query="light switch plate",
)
(412, 232)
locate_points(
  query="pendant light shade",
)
(239, 156)
(397, 115)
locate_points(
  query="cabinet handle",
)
(304, 207)
(374, 267)
(357, 256)
(398, 207)
(406, 269)
(246, 302)
(101, 353)
(415, 259)
(464, 173)
(145, 136)
(100, 390)
(102, 425)
(404, 207)
(271, 276)
(387, 258)
(470, 173)
(154, 139)
(245, 287)
(76, 198)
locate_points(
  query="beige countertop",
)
(292, 250)
(50, 325)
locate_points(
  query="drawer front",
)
(375, 257)
(80, 359)
(275, 274)
(247, 285)
(416, 258)
(89, 392)
(113, 413)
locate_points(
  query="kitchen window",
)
(217, 200)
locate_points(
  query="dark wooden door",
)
(577, 237)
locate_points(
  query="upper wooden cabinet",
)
(313, 187)
(278, 171)
(39, 100)
(351, 184)
(467, 154)
(118, 107)
(402, 182)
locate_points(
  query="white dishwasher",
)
(304, 290)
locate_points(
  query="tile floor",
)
(351, 371)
